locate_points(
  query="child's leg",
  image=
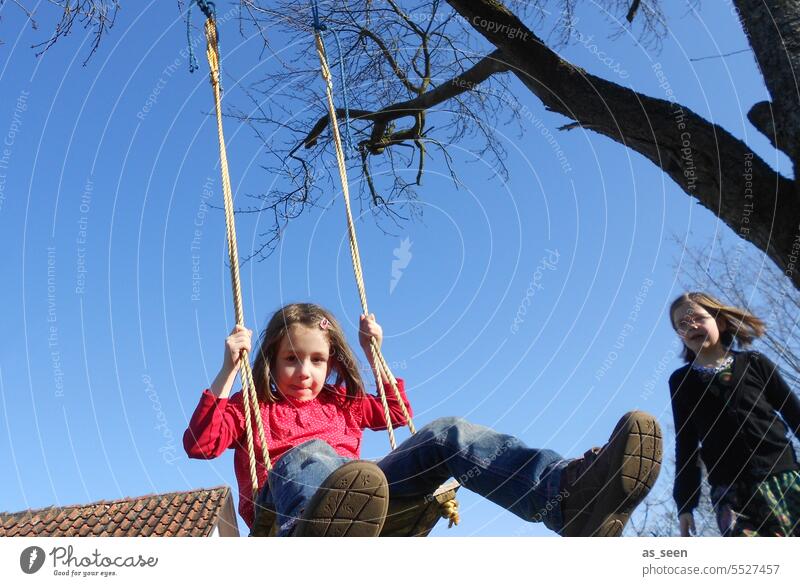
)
(295, 478)
(499, 467)
(589, 496)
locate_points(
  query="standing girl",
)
(313, 429)
(727, 407)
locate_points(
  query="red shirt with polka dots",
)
(218, 424)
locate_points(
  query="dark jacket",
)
(732, 423)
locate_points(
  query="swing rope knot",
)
(318, 26)
(326, 74)
(208, 8)
(449, 511)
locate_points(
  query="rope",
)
(210, 10)
(348, 139)
(318, 28)
(193, 66)
(448, 509)
(382, 371)
(251, 406)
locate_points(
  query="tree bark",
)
(773, 30)
(705, 160)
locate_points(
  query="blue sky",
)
(104, 222)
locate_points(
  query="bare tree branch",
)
(380, 139)
(705, 160)
(95, 15)
(394, 57)
(633, 9)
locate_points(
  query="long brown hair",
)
(343, 361)
(742, 326)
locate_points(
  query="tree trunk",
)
(773, 30)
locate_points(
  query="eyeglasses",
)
(687, 322)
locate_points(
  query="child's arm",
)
(374, 417)
(779, 395)
(686, 524)
(217, 422)
(234, 344)
(686, 491)
(214, 427)
(369, 328)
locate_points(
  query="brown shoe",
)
(602, 489)
(351, 502)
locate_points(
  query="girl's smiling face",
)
(301, 366)
(696, 327)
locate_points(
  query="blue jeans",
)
(499, 467)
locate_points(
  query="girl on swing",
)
(313, 429)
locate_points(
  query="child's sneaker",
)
(602, 489)
(351, 502)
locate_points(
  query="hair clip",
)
(324, 323)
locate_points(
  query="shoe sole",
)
(636, 450)
(351, 502)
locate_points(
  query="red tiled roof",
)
(193, 513)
